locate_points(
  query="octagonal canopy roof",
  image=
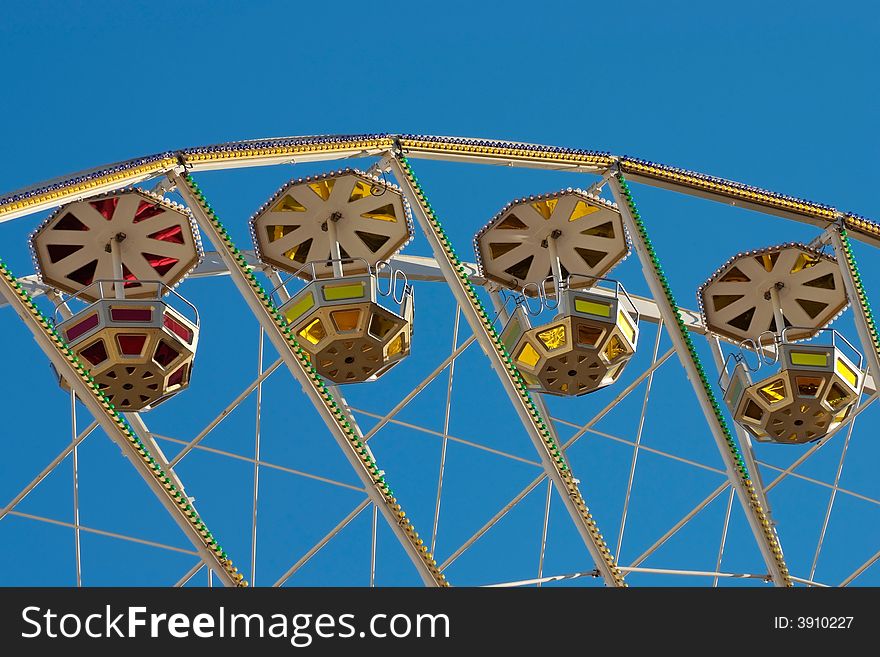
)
(736, 304)
(512, 247)
(157, 241)
(372, 222)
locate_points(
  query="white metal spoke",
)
(831, 500)
(320, 544)
(75, 465)
(263, 464)
(723, 535)
(445, 440)
(47, 470)
(101, 532)
(635, 456)
(373, 533)
(544, 531)
(226, 411)
(256, 462)
(189, 574)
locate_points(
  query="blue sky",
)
(765, 95)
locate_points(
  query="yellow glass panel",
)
(546, 207)
(614, 348)
(625, 326)
(313, 332)
(277, 232)
(344, 291)
(804, 261)
(288, 204)
(361, 190)
(846, 372)
(753, 412)
(767, 260)
(528, 355)
(581, 209)
(553, 338)
(296, 310)
(774, 391)
(322, 188)
(346, 320)
(836, 395)
(808, 386)
(385, 213)
(380, 325)
(592, 307)
(588, 335)
(397, 345)
(808, 358)
(563, 387)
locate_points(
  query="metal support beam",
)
(339, 422)
(528, 412)
(757, 517)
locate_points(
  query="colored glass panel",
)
(553, 338)
(614, 349)
(82, 327)
(178, 376)
(528, 356)
(106, 207)
(774, 391)
(346, 320)
(146, 210)
(313, 332)
(385, 213)
(173, 234)
(131, 344)
(131, 314)
(397, 345)
(592, 307)
(846, 372)
(808, 386)
(344, 291)
(289, 204)
(380, 325)
(95, 353)
(836, 395)
(626, 326)
(811, 359)
(295, 311)
(179, 329)
(361, 190)
(582, 209)
(165, 354)
(589, 335)
(322, 188)
(545, 208)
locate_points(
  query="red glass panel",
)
(131, 314)
(165, 353)
(173, 234)
(131, 345)
(95, 353)
(161, 264)
(106, 207)
(79, 329)
(85, 274)
(69, 222)
(130, 279)
(61, 251)
(146, 210)
(177, 377)
(177, 328)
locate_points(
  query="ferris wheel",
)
(578, 422)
